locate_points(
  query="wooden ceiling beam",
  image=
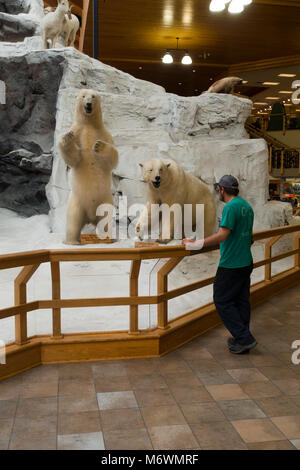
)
(156, 61)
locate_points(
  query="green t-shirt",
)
(235, 251)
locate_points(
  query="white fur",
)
(70, 28)
(52, 23)
(89, 150)
(224, 85)
(177, 187)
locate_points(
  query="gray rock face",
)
(23, 178)
(27, 125)
(14, 7)
(15, 29)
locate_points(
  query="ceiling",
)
(134, 34)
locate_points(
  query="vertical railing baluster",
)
(268, 255)
(162, 288)
(20, 294)
(56, 311)
(134, 291)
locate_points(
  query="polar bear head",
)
(88, 104)
(156, 172)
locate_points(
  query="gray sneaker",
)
(242, 348)
(230, 341)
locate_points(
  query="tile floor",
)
(198, 397)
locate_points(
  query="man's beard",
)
(222, 198)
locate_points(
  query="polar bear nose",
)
(157, 178)
(88, 107)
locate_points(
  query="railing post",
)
(20, 294)
(95, 29)
(281, 163)
(268, 255)
(56, 312)
(85, 9)
(134, 291)
(270, 159)
(162, 288)
(297, 255)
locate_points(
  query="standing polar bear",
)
(88, 148)
(169, 184)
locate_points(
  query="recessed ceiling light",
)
(286, 92)
(271, 83)
(140, 68)
(245, 81)
(287, 75)
(194, 70)
(179, 83)
(272, 97)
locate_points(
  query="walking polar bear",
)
(88, 148)
(168, 183)
(224, 85)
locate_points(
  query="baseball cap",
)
(227, 181)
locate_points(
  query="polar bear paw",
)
(68, 138)
(99, 146)
(71, 242)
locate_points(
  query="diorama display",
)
(75, 133)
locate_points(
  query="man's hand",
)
(191, 244)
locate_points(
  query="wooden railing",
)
(30, 261)
(283, 159)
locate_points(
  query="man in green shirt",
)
(232, 280)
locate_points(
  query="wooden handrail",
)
(14, 260)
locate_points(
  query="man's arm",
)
(217, 238)
(212, 240)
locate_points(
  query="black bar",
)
(95, 29)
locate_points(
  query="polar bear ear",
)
(141, 165)
(168, 164)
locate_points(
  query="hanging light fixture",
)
(186, 59)
(236, 6)
(217, 5)
(168, 58)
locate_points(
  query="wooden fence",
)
(26, 351)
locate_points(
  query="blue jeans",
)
(231, 298)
